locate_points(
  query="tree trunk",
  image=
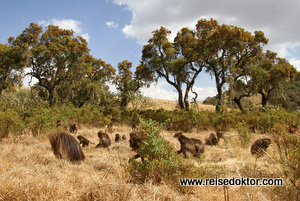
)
(51, 97)
(180, 99)
(264, 99)
(239, 104)
(219, 97)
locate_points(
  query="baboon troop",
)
(117, 137)
(65, 146)
(194, 146)
(212, 140)
(83, 141)
(259, 147)
(73, 128)
(104, 140)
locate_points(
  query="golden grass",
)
(30, 171)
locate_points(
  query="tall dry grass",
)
(30, 171)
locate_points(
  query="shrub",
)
(244, 135)
(10, 122)
(163, 163)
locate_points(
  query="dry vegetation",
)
(30, 171)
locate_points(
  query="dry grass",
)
(29, 171)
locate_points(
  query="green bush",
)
(10, 122)
(162, 162)
(244, 135)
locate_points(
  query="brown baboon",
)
(109, 128)
(83, 141)
(187, 144)
(117, 137)
(65, 146)
(61, 124)
(211, 140)
(73, 128)
(134, 142)
(259, 147)
(124, 137)
(104, 140)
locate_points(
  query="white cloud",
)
(296, 63)
(112, 24)
(67, 24)
(278, 19)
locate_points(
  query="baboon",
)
(83, 141)
(134, 142)
(259, 147)
(73, 128)
(61, 124)
(124, 137)
(104, 140)
(187, 144)
(65, 146)
(117, 138)
(109, 128)
(211, 140)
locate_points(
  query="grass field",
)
(30, 171)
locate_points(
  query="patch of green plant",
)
(244, 135)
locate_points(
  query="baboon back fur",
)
(65, 146)
(187, 144)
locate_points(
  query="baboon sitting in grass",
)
(117, 138)
(134, 142)
(124, 137)
(104, 140)
(73, 128)
(65, 146)
(211, 140)
(260, 146)
(83, 141)
(194, 146)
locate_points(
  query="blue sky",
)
(116, 30)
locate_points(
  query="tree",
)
(226, 51)
(269, 74)
(86, 82)
(175, 62)
(128, 83)
(12, 63)
(54, 54)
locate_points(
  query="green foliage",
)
(244, 135)
(10, 122)
(162, 163)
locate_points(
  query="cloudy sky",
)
(117, 29)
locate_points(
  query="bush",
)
(163, 163)
(244, 135)
(10, 122)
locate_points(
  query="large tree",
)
(12, 63)
(175, 62)
(54, 54)
(226, 51)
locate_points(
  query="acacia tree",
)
(269, 74)
(12, 63)
(226, 50)
(54, 54)
(175, 62)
